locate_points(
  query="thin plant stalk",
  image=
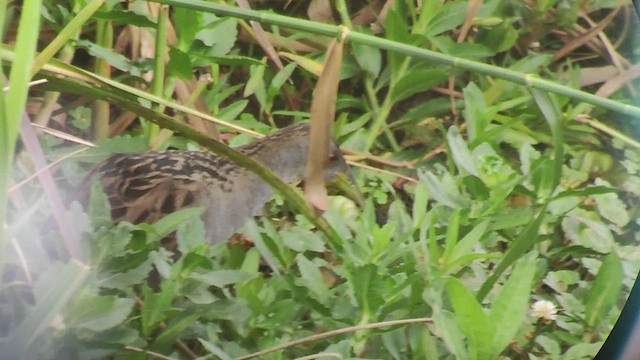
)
(157, 85)
(529, 80)
(101, 112)
(19, 76)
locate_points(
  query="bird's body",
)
(142, 188)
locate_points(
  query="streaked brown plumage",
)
(142, 188)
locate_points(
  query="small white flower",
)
(544, 309)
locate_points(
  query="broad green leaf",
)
(605, 290)
(469, 241)
(125, 278)
(215, 350)
(281, 77)
(269, 255)
(448, 17)
(561, 280)
(170, 223)
(232, 111)
(156, 306)
(582, 351)
(585, 228)
(611, 207)
(463, 50)
(222, 278)
(395, 343)
(587, 191)
(99, 208)
(99, 313)
(460, 151)
(368, 288)
(124, 17)
(458, 262)
(549, 345)
(368, 57)
(187, 23)
(300, 240)
(179, 64)
(443, 190)
(218, 36)
(510, 306)
(415, 82)
(191, 234)
(474, 323)
(451, 237)
(525, 241)
(169, 334)
(419, 207)
(396, 29)
(500, 38)
(448, 329)
(116, 60)
(548, 105)
(474, 111)
(230, 60)
(312, 279)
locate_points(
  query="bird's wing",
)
(142, 188)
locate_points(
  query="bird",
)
(143, 187)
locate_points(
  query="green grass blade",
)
(525, 241)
